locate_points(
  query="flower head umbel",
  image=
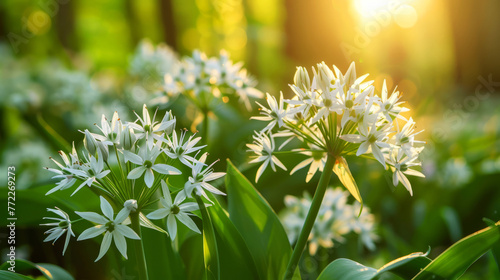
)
(128, 162)
(336, 219)
(112, 227)
(61, 225)
(172, 210)
(336, 115)
(204, 79)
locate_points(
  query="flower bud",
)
(301, 79)
(168, 122)
(90, 142)
(128, 139)
(104, 151)
(324, 76)
(130, 205)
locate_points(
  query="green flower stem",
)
(205, 127)
(311, 217)
(138, 248)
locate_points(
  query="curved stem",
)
(311, 217)
(138, 248)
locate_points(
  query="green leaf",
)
(341, 169)
(407, 266)
(7, 275)
(235, 259)
(258, 224)
(453, 262)
(163, 261)
(345, 269)
(495, 249)
(210, 253)
(50, 271)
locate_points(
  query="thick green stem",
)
(311, 217)
(138, 248)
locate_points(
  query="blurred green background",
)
(64, 63)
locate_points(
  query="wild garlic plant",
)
(148, 65)
(336, 115)
(336, 219)
(208, 82)
(127, 164)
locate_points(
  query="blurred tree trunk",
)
(133, 23)
(65, 26)
(167, 19)
(3, 29)
(312, 31)
(475, 26)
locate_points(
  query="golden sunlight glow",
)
(368, 8)
(403, 14)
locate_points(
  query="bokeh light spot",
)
(405, 16)
(39, 22)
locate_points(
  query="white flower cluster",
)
(336, 219)
(339, 114)
(150, 63)
(202, 79)
(143, 154)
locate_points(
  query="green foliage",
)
(451, 264)
(210, 252)
(50, 271)
(258, 225)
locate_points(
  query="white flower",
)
(146, 162)
(62, 225)
(176, 209)
(150, 129)
(401, 166)
(178, 149)
(274, 115)
(90, 173)
(328, 104)
(390, 106)
(370, 139)
(200, 177)
(263, 146)
(111, 134)
(68, 179)
(336, 219)
(406, 138)
(112, 227)
(317, 160)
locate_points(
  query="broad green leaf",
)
(345, 269)
(495, 249)
(258, 225)
(407, 266)
(7, 275)
(236, 262)
(211, 256)
(341, 169)
(163, 261)
(50, 271)
(191, 251)
(453, 262)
